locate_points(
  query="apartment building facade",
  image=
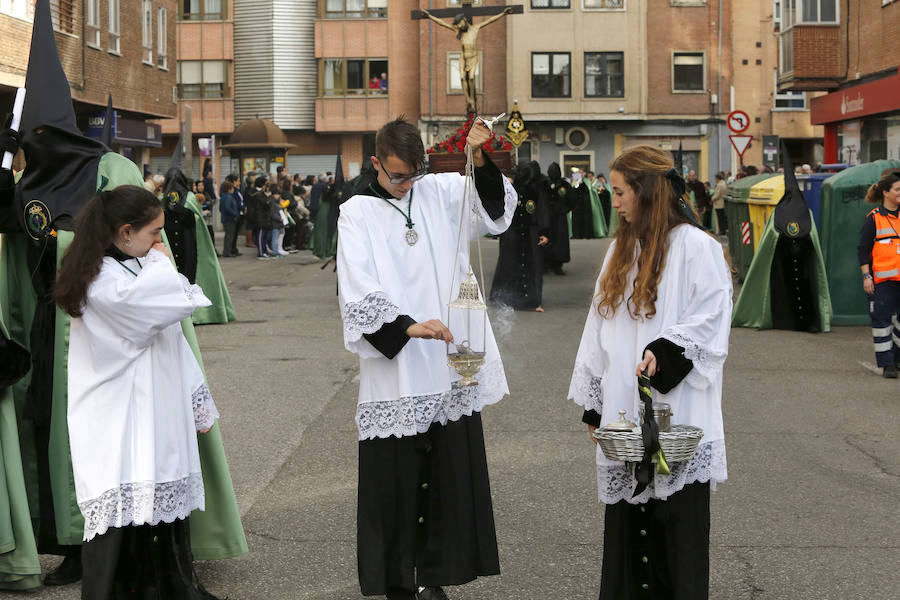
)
(847, 48)
(124, 48)
(774, 115)
(594, 77)
(204, 86)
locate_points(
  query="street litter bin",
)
(740, 229)
(761, 203)
(843, 210)
(811, 187)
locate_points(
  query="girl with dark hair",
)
(879, 260)
(662, 306)
(136, 400)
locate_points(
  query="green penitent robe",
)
(216, 532)
(209, 273)
(754, 304)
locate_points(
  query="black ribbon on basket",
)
(645, 469)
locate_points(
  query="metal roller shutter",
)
(310, 164)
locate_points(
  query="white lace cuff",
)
(205, 411)
(585, 389)
(140, 503)
(410, 415)
(616, 482)
(368, 315)
(707, 363)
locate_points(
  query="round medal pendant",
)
(411, 237)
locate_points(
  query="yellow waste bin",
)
(762, 200)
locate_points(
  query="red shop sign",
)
(882, 95)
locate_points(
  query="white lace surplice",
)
(137, 397)
(380, 276)
(693, 310)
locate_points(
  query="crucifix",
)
(467, 33)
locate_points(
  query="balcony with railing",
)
(809, 44)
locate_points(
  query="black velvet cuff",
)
(591, 417)
(672, 366)
(489, 184)
(391, 338)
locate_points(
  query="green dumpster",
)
(843, 210)
(740, 230)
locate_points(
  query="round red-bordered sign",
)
(738, 121)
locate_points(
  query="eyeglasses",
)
(398, 179)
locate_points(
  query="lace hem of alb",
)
(707, 363)
(585, 389)
(410, 415)
(205, 411)
(140, 503)
(616, 483)
(368, 315)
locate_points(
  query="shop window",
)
(454, 83)
(113, 18)
(688, 72)
(604, 75)
(353, 77)
(551, 75)
(92, 23)
(203, 79)
(62, 13)
(203, 10)
(540, 4)
(353, 9)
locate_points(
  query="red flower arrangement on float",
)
(457, 142)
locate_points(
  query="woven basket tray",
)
(678, 444)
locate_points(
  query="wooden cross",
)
(467, 33)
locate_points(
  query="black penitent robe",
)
(561, 202)
(518, 278)
(606, 203)
(582, 214)
(180, 227)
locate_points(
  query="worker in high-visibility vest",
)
(879, 261)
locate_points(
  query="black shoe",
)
(559, 271)
(432, 593)
(399, 594)
(69, 570)
(889, 372)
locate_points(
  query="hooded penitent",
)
(180, 225)
(786, 286)
(64, 169)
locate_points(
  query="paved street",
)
(809, 511)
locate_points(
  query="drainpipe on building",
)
(430, 76)
(719, 126)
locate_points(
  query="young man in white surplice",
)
(662, 304)
(137, 398)
(424, 518)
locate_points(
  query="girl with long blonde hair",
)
(662, 306)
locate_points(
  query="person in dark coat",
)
(519, 276)
(315, 195)
(228, 210)
(562, 200)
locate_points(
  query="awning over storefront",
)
(870, 98)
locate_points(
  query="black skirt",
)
(425, 515)
(141, 562)
(658, 550)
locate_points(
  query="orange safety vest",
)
(886, 251)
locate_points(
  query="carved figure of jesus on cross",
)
(467, 34)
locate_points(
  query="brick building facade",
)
(847, 48)
(125, 57)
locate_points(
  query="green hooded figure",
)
(63, 170)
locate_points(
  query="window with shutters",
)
(688, 72)
(113, 17)
(203, 79)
